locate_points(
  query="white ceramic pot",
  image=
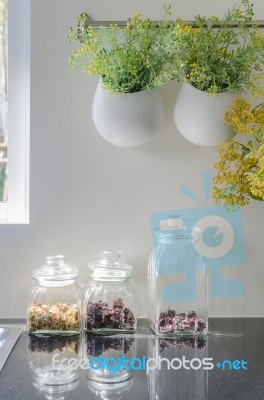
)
(127, 120)
(199, 116)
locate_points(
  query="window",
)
(3, 100)
(14, 110)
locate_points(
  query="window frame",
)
(16, 209)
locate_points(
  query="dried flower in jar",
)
(170, 322)
(99, 316)
(55, 317)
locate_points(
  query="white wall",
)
(87, 195)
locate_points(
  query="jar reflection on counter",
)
(182, 370)
(49, 358)
(54, 303)
(103, 354)
(110, 391)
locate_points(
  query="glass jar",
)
(110, 300)
(177, 281)
(54, 303)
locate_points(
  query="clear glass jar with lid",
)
(54, 303)
(110, 299)
(177, 281)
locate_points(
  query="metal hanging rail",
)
(123, 24)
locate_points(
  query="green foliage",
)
(215, 57)
(130, 60)
(3, 10)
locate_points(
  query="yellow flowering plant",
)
(240, 176)
(135, 58)
(214, 56)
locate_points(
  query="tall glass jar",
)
(54, 303)
(110, 300)
(177, 281)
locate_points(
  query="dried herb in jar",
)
(170, 322)
(55, 317)
(99, 316)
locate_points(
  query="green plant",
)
(214, 56)
(240, 176)
(129, 60)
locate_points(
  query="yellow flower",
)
(240, 169)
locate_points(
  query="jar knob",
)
(56, 261)
(111, 256)
(171, 223)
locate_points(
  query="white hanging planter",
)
(129, 119)
(199, 116)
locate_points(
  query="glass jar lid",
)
(55, 269)
(109, 266)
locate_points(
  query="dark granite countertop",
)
(235, 346)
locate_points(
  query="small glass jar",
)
(110, 300)
(177, 281)
(54, 303)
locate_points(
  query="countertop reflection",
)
(225, 364)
